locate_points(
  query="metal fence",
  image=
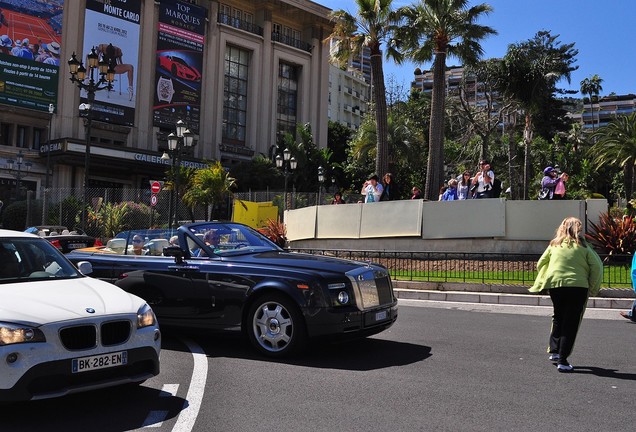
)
(63, 206)
(497, 268)
(107, 209)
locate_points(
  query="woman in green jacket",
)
(571, 271)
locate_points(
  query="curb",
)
(505, 298)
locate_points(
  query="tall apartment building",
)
(238, 72)
(604, 109)
(349, 95)
(474, 91)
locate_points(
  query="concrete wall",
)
(495, 225)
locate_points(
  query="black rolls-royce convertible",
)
(227, 276)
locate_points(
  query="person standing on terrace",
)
(372, 190)
(483, 180)
(391, 191)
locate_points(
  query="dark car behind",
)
(64, 239)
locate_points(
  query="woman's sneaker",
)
(565, 367)
(554, 357)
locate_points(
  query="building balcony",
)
(287, 40)
(240, 24)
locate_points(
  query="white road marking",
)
(169, 390)
(192, 403)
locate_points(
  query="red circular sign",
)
(155, 187)
(153, 200)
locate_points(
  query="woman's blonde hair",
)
(570, 230)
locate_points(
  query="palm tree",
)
(615, 145)
(434, 30)
(370, 28)
(592, 86)
(211, 187)
(529, 73)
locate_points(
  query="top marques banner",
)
(112, 28)
(30, 35)
(180, 43)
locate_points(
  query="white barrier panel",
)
(464, 219)
(538, 220)
(301, 223)
(339, 221)
(391, 219)
(594, 209)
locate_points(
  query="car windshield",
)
(179, 60)
(28, 259)
(221, 239)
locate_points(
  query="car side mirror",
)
(85, 267)
(174, 251)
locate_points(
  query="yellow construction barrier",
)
(254, 214)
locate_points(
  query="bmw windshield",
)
(31, 258)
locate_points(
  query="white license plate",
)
(76, 245)
(380, 316)
(102, 361)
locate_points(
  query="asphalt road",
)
(442, 367)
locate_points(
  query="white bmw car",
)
(62, 332)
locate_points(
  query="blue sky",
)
(601, 30)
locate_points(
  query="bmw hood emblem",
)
(90, 310)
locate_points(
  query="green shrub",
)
(67, 213)
(137, 216)
(14, 216)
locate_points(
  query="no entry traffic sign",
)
(155, 186)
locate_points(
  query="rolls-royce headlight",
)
(343, 297)
(15, 334)
(145, 317)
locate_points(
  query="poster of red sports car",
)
(180, 43)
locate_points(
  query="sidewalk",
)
(501, 294)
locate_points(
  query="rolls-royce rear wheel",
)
(275, 326)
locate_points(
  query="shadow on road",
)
(108, 410)
(605, 373)
(360, 354)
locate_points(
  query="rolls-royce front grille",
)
(373, 287)
(385, 293)
(115, 332)
(79, 337)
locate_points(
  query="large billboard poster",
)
(180, 43)
(112, 28)
(30, 35)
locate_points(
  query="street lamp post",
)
(89, 83)
(18, 176)
(45, 204)
(288, 164)
(321, 180)
(177, 141)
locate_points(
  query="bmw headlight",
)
(145, 317)
(16, 333)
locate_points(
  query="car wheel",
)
(275, 326)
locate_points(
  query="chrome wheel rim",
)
(273, 327)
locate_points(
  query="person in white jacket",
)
(372, 189)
